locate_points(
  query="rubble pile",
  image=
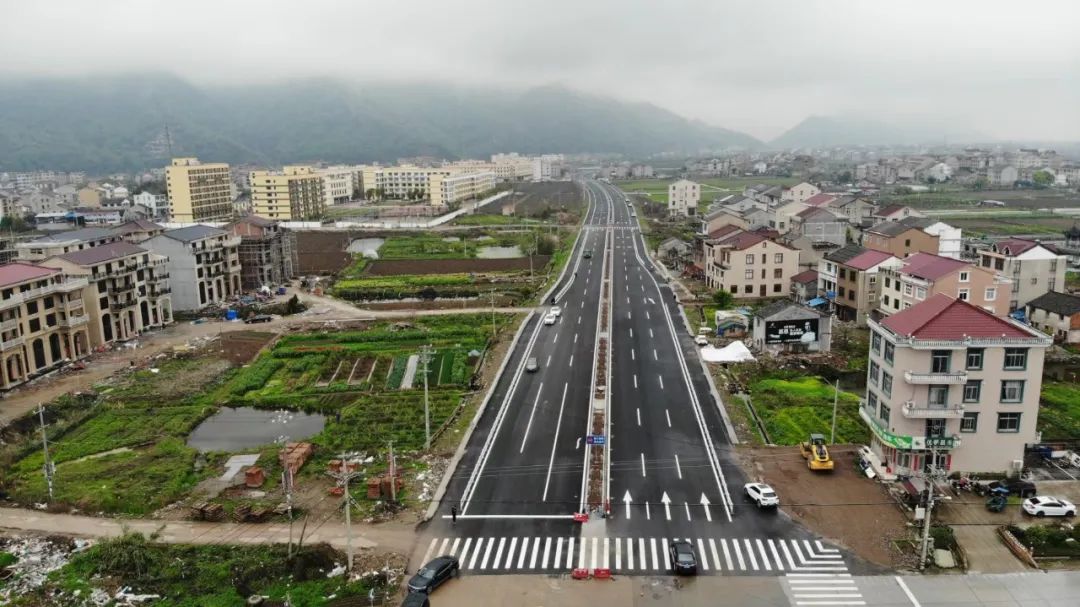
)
(37, 558)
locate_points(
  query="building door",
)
(761, 291)
(54, 347)
(39, 353)
(107, 328)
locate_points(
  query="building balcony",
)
(913, 410)
(11, 344)
(120, 290)
(9, 325)
(74, 321)
(160, 292)
(953, 378)
(117, 306)
(903, 441)
(15, 300)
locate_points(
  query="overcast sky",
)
(1004, 69)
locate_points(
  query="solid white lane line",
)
(678, 468)
(652, 548)
(510, 553)
(430, 549)
(642, 464)
(487, 553)
(531, 415)
(555, 441)
(661, 381)
(524, 553)
(907, 591)
(638, 416)
(668, 416)
(547, 551)
(557, 563)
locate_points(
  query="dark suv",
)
(683, 560)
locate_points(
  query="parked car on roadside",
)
(432, 575)
(1009, 486)
(701, 340)
(762, 495)
(1045, 505)
(259, 318)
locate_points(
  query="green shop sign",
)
(893, 440)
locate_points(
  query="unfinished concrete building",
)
(267, 254)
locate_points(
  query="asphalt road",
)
(671, 473)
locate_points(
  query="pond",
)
(368, 247)
(235, 429)
(493, 252)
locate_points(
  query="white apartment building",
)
(337, 184)
(683, 198)
(203, 259)
(156, 204)
(1033, 267)
(457, 188)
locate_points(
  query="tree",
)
(1043, 179)
(980, 184)
(723, 299)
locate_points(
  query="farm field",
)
(548, 202)
(1043, 224)
(792, 406)
(950, 197)
(711, 187)
(1059, 411)
(122, 448)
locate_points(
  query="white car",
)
(701, 340)
(555, 311)
(550, 319)
(1045, 505)
(762, 494)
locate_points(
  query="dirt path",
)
(393, 537)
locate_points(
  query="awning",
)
(817, 301)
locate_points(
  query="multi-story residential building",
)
(198, 191)
(546, 166)
(750, 266)
(924, 275)
(138, 231)
(800, 192)
(459, 187)
(65, 242)
(900, 239)
(203, 259)
(266, 252)
(293, 193)
(1057, 315)
(820, 225)
(950, 380)
(441, 185)
(683, 198)
(1034, 268)
(337, 184)
(849, 277)
(512, 166)
(895, 212)
(128, 289)
(859, 211)
(43, 323)
(804, 286)
(156, 205)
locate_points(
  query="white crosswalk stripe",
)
(795, 558)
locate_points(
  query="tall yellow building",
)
(295, 193)
(198, 191)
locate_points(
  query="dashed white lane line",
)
(571, 360)
(661, 377)
(632, 355)
(631, 334)
(654, 356)
(635, 381)
(548, 363)
(575, 338)
(651, 333)
(638, 416)
(678, 468)
(646, 313)
(668, 416)
(642, 464)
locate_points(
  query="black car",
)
(259, 318)
(1014, 486)
(416, 599)
(683, 560)
(432, 575)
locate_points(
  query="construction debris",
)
(37, 558)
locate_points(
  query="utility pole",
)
(343, 476)
(493, 315)
(931, 478)
(426, 352)
(835, 401)
(287, 483)
(48, 468)
(393, 476)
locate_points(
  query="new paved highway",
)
(670, 471)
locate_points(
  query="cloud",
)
(1003, 69)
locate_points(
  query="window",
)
(778, 273)
(907, 288)
(907, 242)
(991, 294)
(749, 275)
(777, 288)
(875, 342)
(35, 325)
(1015, 358)
(48, 302)
(748, 289)
(888, 283)
(779, 257)
(963, 295)
(750, 259)
(920, 293)
(885, 411)
(972, 390)
(974, 359)
(938, 396)
(970, 422)
(935, 427)
(1008, 422)
(875, 369)
(886, 301)
(886, 383)
(851, 295)
(1012, 390)
(841, 291)
(965, 276)
(31, 307)
(871, 401)
(939, 361)
(890, 352)
(734, 288)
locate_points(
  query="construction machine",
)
(816, 453)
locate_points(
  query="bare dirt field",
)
(240, 347)
(536, 198)
(397, 267)
(843, 506)
(322, 252)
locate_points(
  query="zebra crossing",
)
(637, 555)
(823, 589)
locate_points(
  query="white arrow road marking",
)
(665, 500)
(626, 500)
(705, 504)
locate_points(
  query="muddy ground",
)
(844, 506)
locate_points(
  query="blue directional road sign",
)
(595, 439)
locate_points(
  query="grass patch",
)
(1059, 413)
(793, 406)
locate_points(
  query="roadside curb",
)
(455, 461)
